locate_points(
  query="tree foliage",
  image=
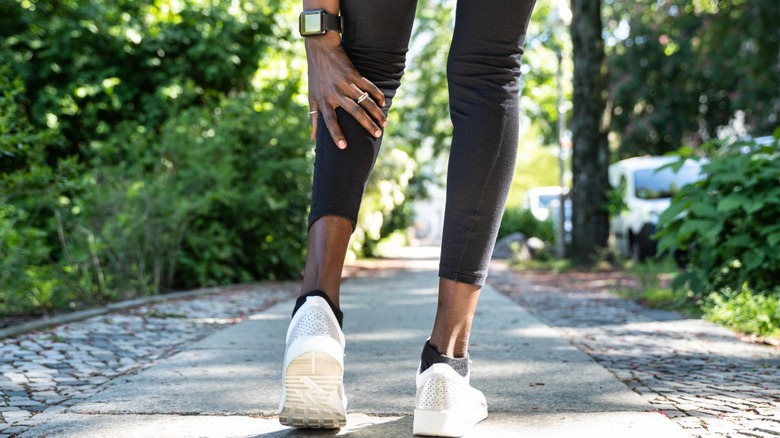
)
(682, 70)
(147, 146)
(95, 64)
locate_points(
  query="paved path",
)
(699, 374)
(227, 383)
(52, 370)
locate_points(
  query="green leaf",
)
(704, 210)
(673, 211)
(732, 202)
(740, 241)
(691, 227)
(773, 239)
(753, 206)
(713, 233)
(752, 259)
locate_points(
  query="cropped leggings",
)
(483, 71)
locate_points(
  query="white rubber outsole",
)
(445, 423)
(313, 395)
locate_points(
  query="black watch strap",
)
(331, 22)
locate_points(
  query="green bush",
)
(745, 311)
(727, 223)
(143, 150)
(519, 220)
(29, 278)
(89, 66)
(219, 196)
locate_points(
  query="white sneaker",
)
(313, 374)
(446, 404)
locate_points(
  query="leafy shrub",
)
(519, 220)
(727, 223)
(90, 66)
(142, 150)
(745, 311)
(29, 279)
(219, 196)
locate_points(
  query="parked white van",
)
(647, 193)
(538, 200)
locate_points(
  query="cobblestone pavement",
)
(698, 374)
(51, 370)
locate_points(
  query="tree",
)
(590, 149)
(681, 70)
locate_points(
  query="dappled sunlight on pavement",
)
(701, 375)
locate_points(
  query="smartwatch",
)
(316, 22)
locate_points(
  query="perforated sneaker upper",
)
(440, 388)
(314, 319)
(437, 393)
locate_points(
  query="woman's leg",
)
(483, 73)
(376, 36)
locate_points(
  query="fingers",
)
(375, 102)
(364, 106)
(360, 105)
(373, 91)
(373, 108)
(332, 123)
(363, 109)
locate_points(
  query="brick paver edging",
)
(80, 315)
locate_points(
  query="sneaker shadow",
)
(364, 427)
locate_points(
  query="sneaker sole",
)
(445, 423)
(313, 388)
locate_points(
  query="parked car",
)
(647, 189)
(538, 200)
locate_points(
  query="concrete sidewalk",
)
(227, 385)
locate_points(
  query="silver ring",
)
(313, 112)
(362, 97)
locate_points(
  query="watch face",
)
(311, 23)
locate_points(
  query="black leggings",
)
(483, 71)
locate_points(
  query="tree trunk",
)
(590, 153)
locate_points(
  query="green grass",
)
(745, 311)
(154, 313)
(552, 264)
(665, 299)
(654, 291)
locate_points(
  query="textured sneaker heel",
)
(446, 404)
(313, 393)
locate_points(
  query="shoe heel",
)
(443, 423)
(314, 394)
(435, 423)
